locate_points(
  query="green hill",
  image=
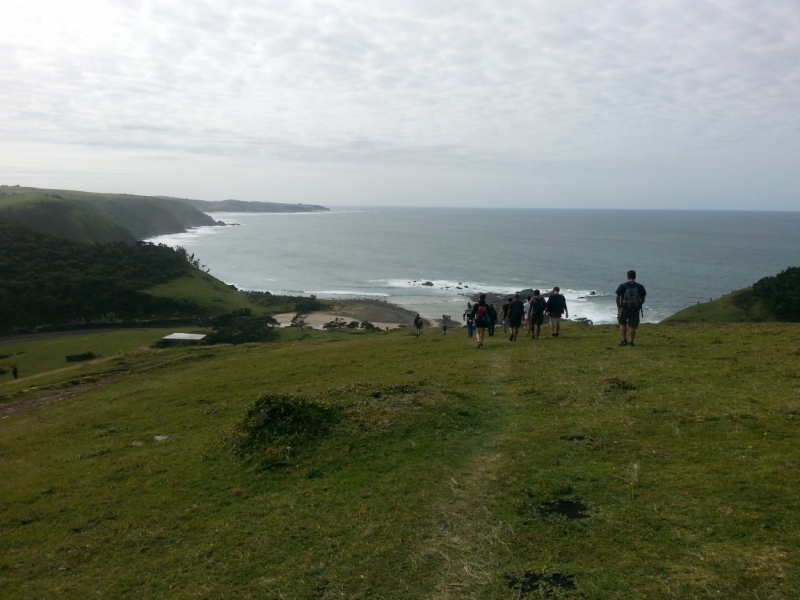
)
(97, 218)
(404, 468)
(244, 206)
(775, 298)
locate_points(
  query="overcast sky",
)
(606, 104)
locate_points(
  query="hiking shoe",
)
(623, 342)
(631, 344)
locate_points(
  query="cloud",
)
(521, 85)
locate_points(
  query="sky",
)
(675, 104)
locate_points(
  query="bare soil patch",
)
(77, 387)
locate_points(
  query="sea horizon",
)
(682, 257)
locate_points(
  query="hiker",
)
(467, 316)
(630, 298)
(15, 371)
(555, 307)
(527, 316)
(537, 314)
(481, 319)
(445, 322)
(418, 323)
(516, 310)
(492, 319)
(504, 315)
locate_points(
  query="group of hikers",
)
(529, 314)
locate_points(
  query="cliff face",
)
(97, 218)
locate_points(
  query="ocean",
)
(681, 257)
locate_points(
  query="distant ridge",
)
(207, 206)
(88, 217)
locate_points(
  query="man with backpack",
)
(555, 307)
(537, 314)
(630, 298)
(480, 316)
(516, 310)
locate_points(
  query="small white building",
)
(184, 337)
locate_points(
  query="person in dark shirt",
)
(492, 319)
(418, 324)
(537, 314)
(504, 315)
(516, 310)
(480, 316)
(630, 298)
(555, 307)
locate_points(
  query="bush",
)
(307, 305)
(239, 327)
(781, 293)
(276, 422)
(80, 357)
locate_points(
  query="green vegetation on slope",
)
(559, 468)
(49, 281)
(775, 298)
(97, 218)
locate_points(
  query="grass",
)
(88, 217)
(37, 357)
(213, 296)
(442, 476)
(723, 310)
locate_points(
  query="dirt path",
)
(70, 389)
(469, 538)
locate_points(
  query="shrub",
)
(781, 293)
(80, 357)
(307, 305)
(278, 421)
(238, 327)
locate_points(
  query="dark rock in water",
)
(428, 283)
(583, 321)
(466, 286)
(233, 287)
(592, 293)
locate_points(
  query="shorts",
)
(506, 322)
(537, 319)
(555, 321)
(628, 318)
(515, 321)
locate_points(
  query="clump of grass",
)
(80, 357)
(276, 423)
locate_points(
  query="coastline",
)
(380, 313)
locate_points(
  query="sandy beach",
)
(379, 313)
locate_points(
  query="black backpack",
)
(632, 300)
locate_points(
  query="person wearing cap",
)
(555, 307)
(537, 314)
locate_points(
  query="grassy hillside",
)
(727, 309)
(566, 468)
(244, 206)
(100, 218)
(774, 298)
